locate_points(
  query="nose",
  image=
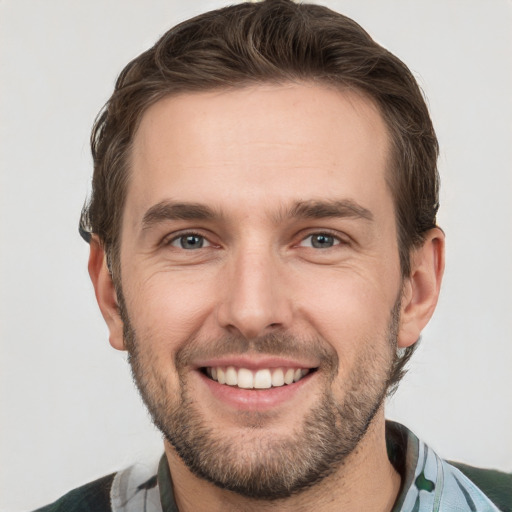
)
(256, 299)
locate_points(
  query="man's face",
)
(260, 279)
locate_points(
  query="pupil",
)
(191, 242)
(322, 241)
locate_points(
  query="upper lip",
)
(255, 362)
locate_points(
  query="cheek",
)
(347, 308)
(168, 308)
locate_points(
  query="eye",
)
(189, 241)
(320, 241)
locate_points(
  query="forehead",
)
(259, 145)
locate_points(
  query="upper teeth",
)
(260, 379)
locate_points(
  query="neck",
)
(365, 481)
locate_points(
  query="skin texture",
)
(256, 174)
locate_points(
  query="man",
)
(264, 245)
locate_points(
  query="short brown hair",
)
(273, 41)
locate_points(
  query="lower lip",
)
(255, 399)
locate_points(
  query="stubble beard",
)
(255, 464)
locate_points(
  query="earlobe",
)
(421, 288)
(105, 293)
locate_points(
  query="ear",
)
(105, 292)
(421, 288)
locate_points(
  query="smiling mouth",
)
(264, 378)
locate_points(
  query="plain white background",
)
(69, 410)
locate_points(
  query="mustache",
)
(281, 344)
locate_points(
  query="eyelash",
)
(168, 241)
(338, 240)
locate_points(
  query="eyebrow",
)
(313, 209)
(321, 209)
(170, 210)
